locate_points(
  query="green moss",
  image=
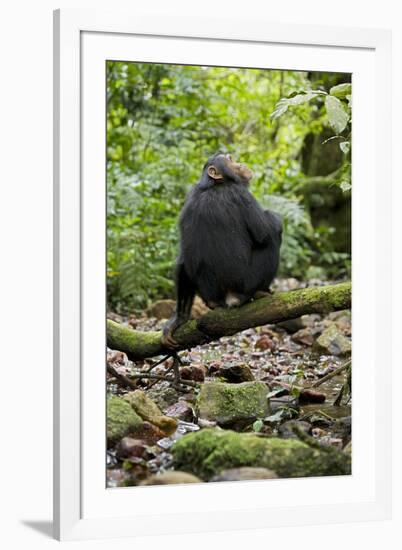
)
(207, 452)
(134, 343)
(220, 322)
(121, 419)
(230, 403)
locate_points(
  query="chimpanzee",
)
(229, 245)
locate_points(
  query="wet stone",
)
(332, 341)
(235, 373)
(180, 410)
(129, 446)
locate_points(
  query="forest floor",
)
(290, 359)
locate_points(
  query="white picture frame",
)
(83, 507)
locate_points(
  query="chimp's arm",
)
(263, 225)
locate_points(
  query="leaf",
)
(299, 99)
(345, 147)
(337, 116)
(345, 186)
(294, 392)
(341, 90)
(257, 426)
(280, 108)
(294, 99)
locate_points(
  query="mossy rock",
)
(164, 397)
(121, 419)
(149, 410)
(210, 451)
(227, 404)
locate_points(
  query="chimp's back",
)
(215, 243)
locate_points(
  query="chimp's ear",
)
(214, 173)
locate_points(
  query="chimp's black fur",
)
(229, 245)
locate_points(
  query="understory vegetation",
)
(163, 121)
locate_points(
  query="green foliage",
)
(296, 251)
(163, 121)
(335, 107)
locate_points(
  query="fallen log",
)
(271, 309)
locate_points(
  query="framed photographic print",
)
(222, 196)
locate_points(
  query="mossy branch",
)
(272, 309)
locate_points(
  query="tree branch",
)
(224, 322)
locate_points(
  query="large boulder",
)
(228, 404)
(208, 452)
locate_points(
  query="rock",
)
(284, 401)
(129, 446)
(121, 419)
(320, 420)
(193, 372)
(181, 410)
(333, 342)
(265, 342)
(171, 478)
(235, 373)
(293, 325)
(162, 309)
(318, 433)
(230, 403)
(203, 423)
(209, 451)
(285, 430)
(341, 314)
(163, 397)
(117, 358)
(115, 317)
(149, 410)
(342, 427)
(304, 336)
(243, 474)
(117, 477)
(344, 322)
(149, 433)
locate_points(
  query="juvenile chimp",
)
(229, 246)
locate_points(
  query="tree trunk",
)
(272, 309)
